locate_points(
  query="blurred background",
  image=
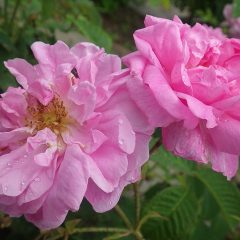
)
(190, 201)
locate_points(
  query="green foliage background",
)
(176, 199)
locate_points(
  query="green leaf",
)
(178, 206)
(48, 8)
(236, 8)
(165, 3)
(6, 81)
(166, 160)
(216, 229)
(88, 9)
(225, 193)
(93, 32)
(6, 42)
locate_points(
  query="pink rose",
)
(233, 23)
(187, 79)
(70, 132)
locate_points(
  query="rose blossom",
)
(187, 79)
(70, 132)
(233, 23)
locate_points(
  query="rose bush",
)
(186, 79)
(71, 131)
(233, 23)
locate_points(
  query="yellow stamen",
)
(52, 116)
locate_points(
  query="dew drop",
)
(121, 142)
(9, 164)
(120, 121)
(132, 132)
(37, 179)
(25, 156)
(5, 188)
(22, 183)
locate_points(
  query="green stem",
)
(17, 4)
(137, 202)
(155, 146)
(124, 217)
(117, 236)
(147, 217)
(99, 229)
(138, 236)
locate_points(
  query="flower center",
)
(52, 116)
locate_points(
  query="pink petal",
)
(87, 137)
(65, 195)
(142, 95)
(84, 49)
(186, 143)
(118, 129)
(98, 178)
(83, 98)
(30, 79)
(14, 136)
(226, 135)
(22, 70)
(106, 65)
(14, 102)
(57, 56)
(151, 20)
(122, 102)
(200, 110)
(141, 152)
(42, 91)
(196, 38)
(136, 63)
(100, 200)
(164, 35)
(114, 165)
(195, 145)
(224, 163)
(168, 98)
(16, 172)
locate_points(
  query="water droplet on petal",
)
(121, 142)
(25, 156)
(132, 132)
(22, 183)
(120, 121)
(9, 164)
(37, 179)
(5, 188)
